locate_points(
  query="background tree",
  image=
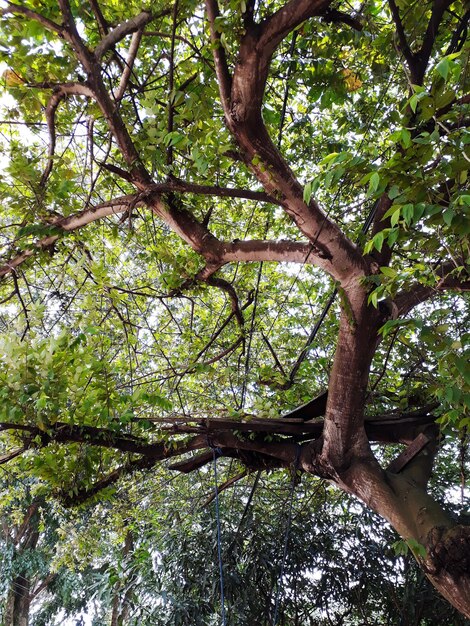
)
(148, 556)
(140, 293)
(35, 586)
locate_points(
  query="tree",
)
(133, 219)
(32, 584)
(148, 556)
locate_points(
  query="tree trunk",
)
(24, 537)
(121, 600)
(440, 545)
(18, 603)
(344, 456)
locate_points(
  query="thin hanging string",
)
(286, 539)
(219, 542)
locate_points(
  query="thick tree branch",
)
(424, 54)
(37, 17)
(181, 186)
(331, 249)
(125, 28)
(446, 280)
(102, 96)
(68, 224)
(100, 19)
(61, 432)
(418, 61)
(198, 236)
(131, 56)
(261, 250)
(221, 283)
(403, 42)
(281, 23)
(220, 58)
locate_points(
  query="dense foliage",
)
(212, 214)
(149, 557)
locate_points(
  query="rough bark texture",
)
(18, 603)
(25, 537)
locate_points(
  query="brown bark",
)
(403, 501)
(121, 600)
(18, 603)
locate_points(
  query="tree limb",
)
(51, 109)
(446, 280)
(220, 58)
(182, 186)
(281, 23)
(100, 19)
(131, 56)
(68, 224)
(37, 17)
(403, 42)
(424, 54)
(125, 28)
(221, 283)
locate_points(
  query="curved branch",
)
(85, 493)
(281, 23)
(68, 224)
(424, 54)
(459, 35)
(100, 19)
(331, 249)
(125, 28)
(221, 283)
(131, 56)
(446, 280)
(403, 45)
(37, 17)
(182, 186)
(220, 58)
(217, 252)
(51, 109)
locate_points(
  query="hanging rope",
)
(219, 542)
(286, 538)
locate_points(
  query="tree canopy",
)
(240, 230)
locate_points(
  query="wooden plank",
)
(407, 455)
(399, 428)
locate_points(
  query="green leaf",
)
(407, 211)
(413, 102)
(307, 192)
(374, 182)
(406, 138)
(443, 67)
(373, 299)
(448, 216)
(417, 548)
(388, 271)
(392, 194)
(395, 216)
(378, 240)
